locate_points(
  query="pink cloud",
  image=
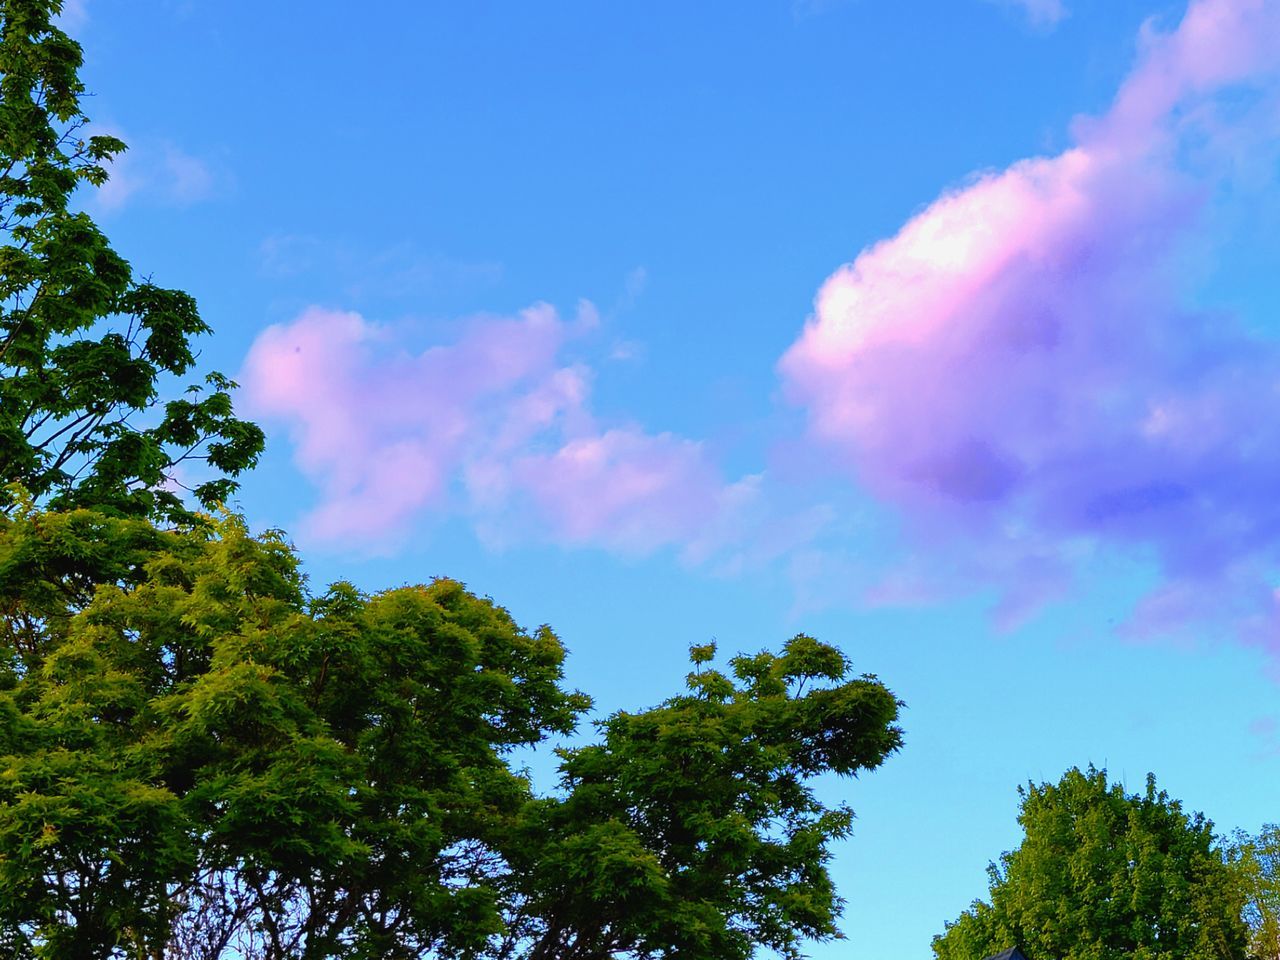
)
(1018, 370)
(495, 424)
(633, 489)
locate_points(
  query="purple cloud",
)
(495, 424)
(1019, 370)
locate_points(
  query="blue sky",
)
(397, 190)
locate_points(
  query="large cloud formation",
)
(495, 424)
(1019, 369)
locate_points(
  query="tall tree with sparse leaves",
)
(1103, 874)
(84, 345)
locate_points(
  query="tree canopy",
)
(1102, 874)
(689, 830)
(1255, 862)
(86, 349)
(203, 755)
(201, 759)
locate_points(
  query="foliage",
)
(84, 346)
(689, 831)
(199, 759)
(203, 754)
(1255, 861)
(1104, 875)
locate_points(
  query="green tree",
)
(85, 348)
(1255, 861)
(204, 760)
(202, 755)
(1105, 875)
(689, 830)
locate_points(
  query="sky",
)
(943, 330)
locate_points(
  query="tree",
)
(1255, 861)
(203, 754)
(1104, 875)
(203, 760)
(84, 346)
(688, 830)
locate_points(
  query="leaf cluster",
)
(690, 829)
(1255, 864)
(204, 753)
(1102, 874)
(85, 347)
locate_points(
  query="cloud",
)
(1021, 371)
(153, 170)
(1040, 13)
(399, 270)
(74, 14)
(1265, 732)
(185, 178)
(495, 425)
